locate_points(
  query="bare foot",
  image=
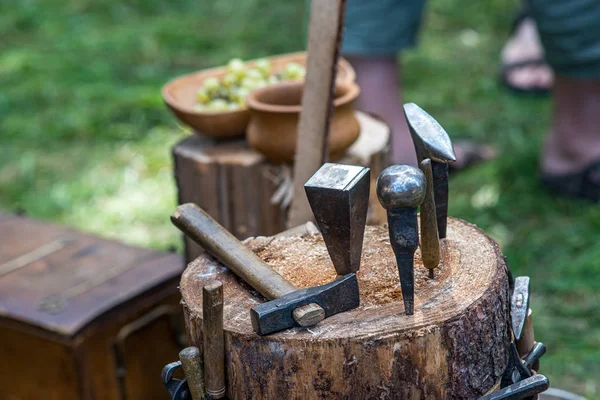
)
(573, 143)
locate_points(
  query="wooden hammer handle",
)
(218, 242)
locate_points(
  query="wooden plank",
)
(325, 33)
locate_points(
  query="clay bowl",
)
(180, 96)
(275, 114)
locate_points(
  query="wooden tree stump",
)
(453, 347)
(238, 187)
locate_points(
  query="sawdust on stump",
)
(305, 263)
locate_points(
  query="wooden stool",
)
(454, 346)
(249, 195)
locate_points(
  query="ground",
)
(85, 139)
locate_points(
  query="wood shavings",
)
(305, 263)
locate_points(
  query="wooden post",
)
(324, 38)
(454, 346)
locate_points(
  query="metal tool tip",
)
(401, 186)
(430, 139)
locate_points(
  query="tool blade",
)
(519, 305)
(429, 138)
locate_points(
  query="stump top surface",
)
(470, 261)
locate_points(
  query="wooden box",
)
(82, 317)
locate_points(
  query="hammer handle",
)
(218, 242)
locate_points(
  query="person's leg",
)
(376, 31)
(381, 94)
(570, 33)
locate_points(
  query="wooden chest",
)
(82, 317)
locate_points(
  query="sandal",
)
(583, 185)
(508, 67)
(470, 153)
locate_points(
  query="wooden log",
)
(235, 184)
(453, 347)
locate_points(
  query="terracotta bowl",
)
(275, 114)
(180, 96)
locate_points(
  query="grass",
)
(85, 138)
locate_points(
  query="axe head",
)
(430, 139)
(339, 198)
(335, 297)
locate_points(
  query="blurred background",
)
(85, 138)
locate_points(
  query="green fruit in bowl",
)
(294, 71)
(239, 94)
(211, 85)
(202, 95)
(218, 105)
(272, 79)
(254, 74)
(264, 66)
(233, 106)
(229, 80)
(237, 68)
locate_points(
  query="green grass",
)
(85, 139)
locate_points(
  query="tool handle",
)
(214, 342)
(218, 242)
(440, 194)
(191, 361)
(430, 242)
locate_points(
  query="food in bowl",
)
(229, 92)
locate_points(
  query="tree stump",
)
(249, 195)
(453, 347)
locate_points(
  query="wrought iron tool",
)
(431, 141)
(289, 307)
(339, 198)
(521, 390)
(519, 305)
(430, 241)
(177, 388)
(401, 189)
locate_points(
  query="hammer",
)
(289, 306)
(431, 141)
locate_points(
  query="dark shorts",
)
(381, 27)
(570, 33)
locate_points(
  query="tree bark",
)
(453, 347)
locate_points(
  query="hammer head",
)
(430, 139)
(339, 198)
(335, 297)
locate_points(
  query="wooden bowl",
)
(180, 96)
(275, 112)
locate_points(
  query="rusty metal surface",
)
(339, 198)
(400, 189)
(335, 297)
